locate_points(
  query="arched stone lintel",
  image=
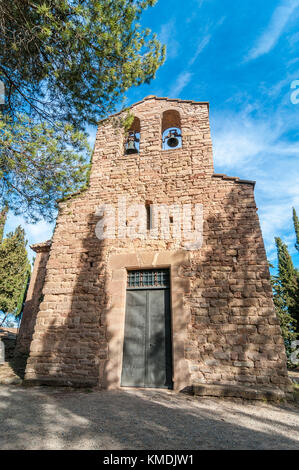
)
(171, 118)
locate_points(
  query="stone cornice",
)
(233, 178)
(39, 247)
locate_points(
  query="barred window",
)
(148, 278)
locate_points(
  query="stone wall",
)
(9, 342)
(224, 326)
(33, 299)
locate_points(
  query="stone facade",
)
(33, 298)
(224, 328)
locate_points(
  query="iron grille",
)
(148, 278)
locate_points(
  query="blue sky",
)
(242, 57)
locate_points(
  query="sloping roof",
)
(233, 178)
(150, 97)
(159, 98)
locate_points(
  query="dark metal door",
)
(147, 343)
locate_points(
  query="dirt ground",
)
(46, 418)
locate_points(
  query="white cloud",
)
(276, 89)
(239, 139)
(258, 150)
(205, 40)
(181, 82)
(167, 37)
(275, 216)
(201, 46)
(294, 39)
(282, 14)
(193, 13)
(237, 146)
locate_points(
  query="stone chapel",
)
(146, 311)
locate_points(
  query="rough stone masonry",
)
(224, 328)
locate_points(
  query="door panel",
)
(134, 344)
(156, 347)
(147, 358)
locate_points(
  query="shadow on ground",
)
(46, 418)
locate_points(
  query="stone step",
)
(11, 380)
(8, 375)
(236, 391)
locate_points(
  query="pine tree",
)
(64, 64)
(40, 164)
(296, 227)
(72, 60)
(14, 272)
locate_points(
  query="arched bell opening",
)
(171, 130)
(133, 138)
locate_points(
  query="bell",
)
(172, 142)
(171, 139)
(131, 147)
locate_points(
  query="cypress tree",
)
(14, 272)
(288, 280)
(296, 227)
(287, 322)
